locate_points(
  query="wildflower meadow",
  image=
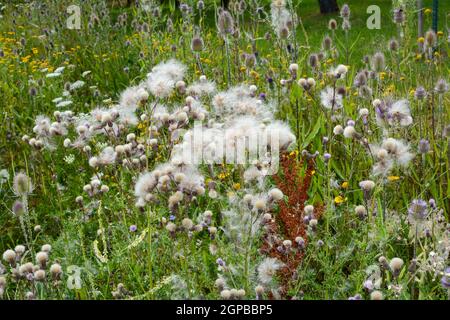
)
(232, 150)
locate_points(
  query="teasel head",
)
(346, 26)
(332, 24)
(284, 32)
(200, 5)
(250, 60)
(420, 93)
(430, 39)
(225, 22)
(327, 43)
(18, 209)
(22, 185)
(345, 11)
(399, 16)
(418, 210)
(424, 146)
(412, 266)
(32, 91)
(441, 86)
(169, 26)
(393, 45)
(378, 62)
(313, 61)
(197, 44)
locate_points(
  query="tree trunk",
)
(328, 6)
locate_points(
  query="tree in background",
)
(328, 6)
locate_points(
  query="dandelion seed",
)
(267, 270)
(330, 99)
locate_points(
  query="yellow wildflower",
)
(222, 175)
(393, 178)
(339, 199)
(345, 184)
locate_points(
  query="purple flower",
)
(420, 93)
(301, 243)
(418, 210)
(351, 123)
(306, 219)
(133, 228)
(355, 297)
(220, 262)
(368, 284)
(18, 208)
(172, 217)
(445, 280)
(424, 146)
(327, 156)
(432, 203)
(262, 96)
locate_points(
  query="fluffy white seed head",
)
(338, 130)
(42, 258)
(376, 295)
(9, 256)
(46, 248)
(367, 185)
(276, 194)
(187, 223)
(349, 132)
(396, 264)
(309, 209)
